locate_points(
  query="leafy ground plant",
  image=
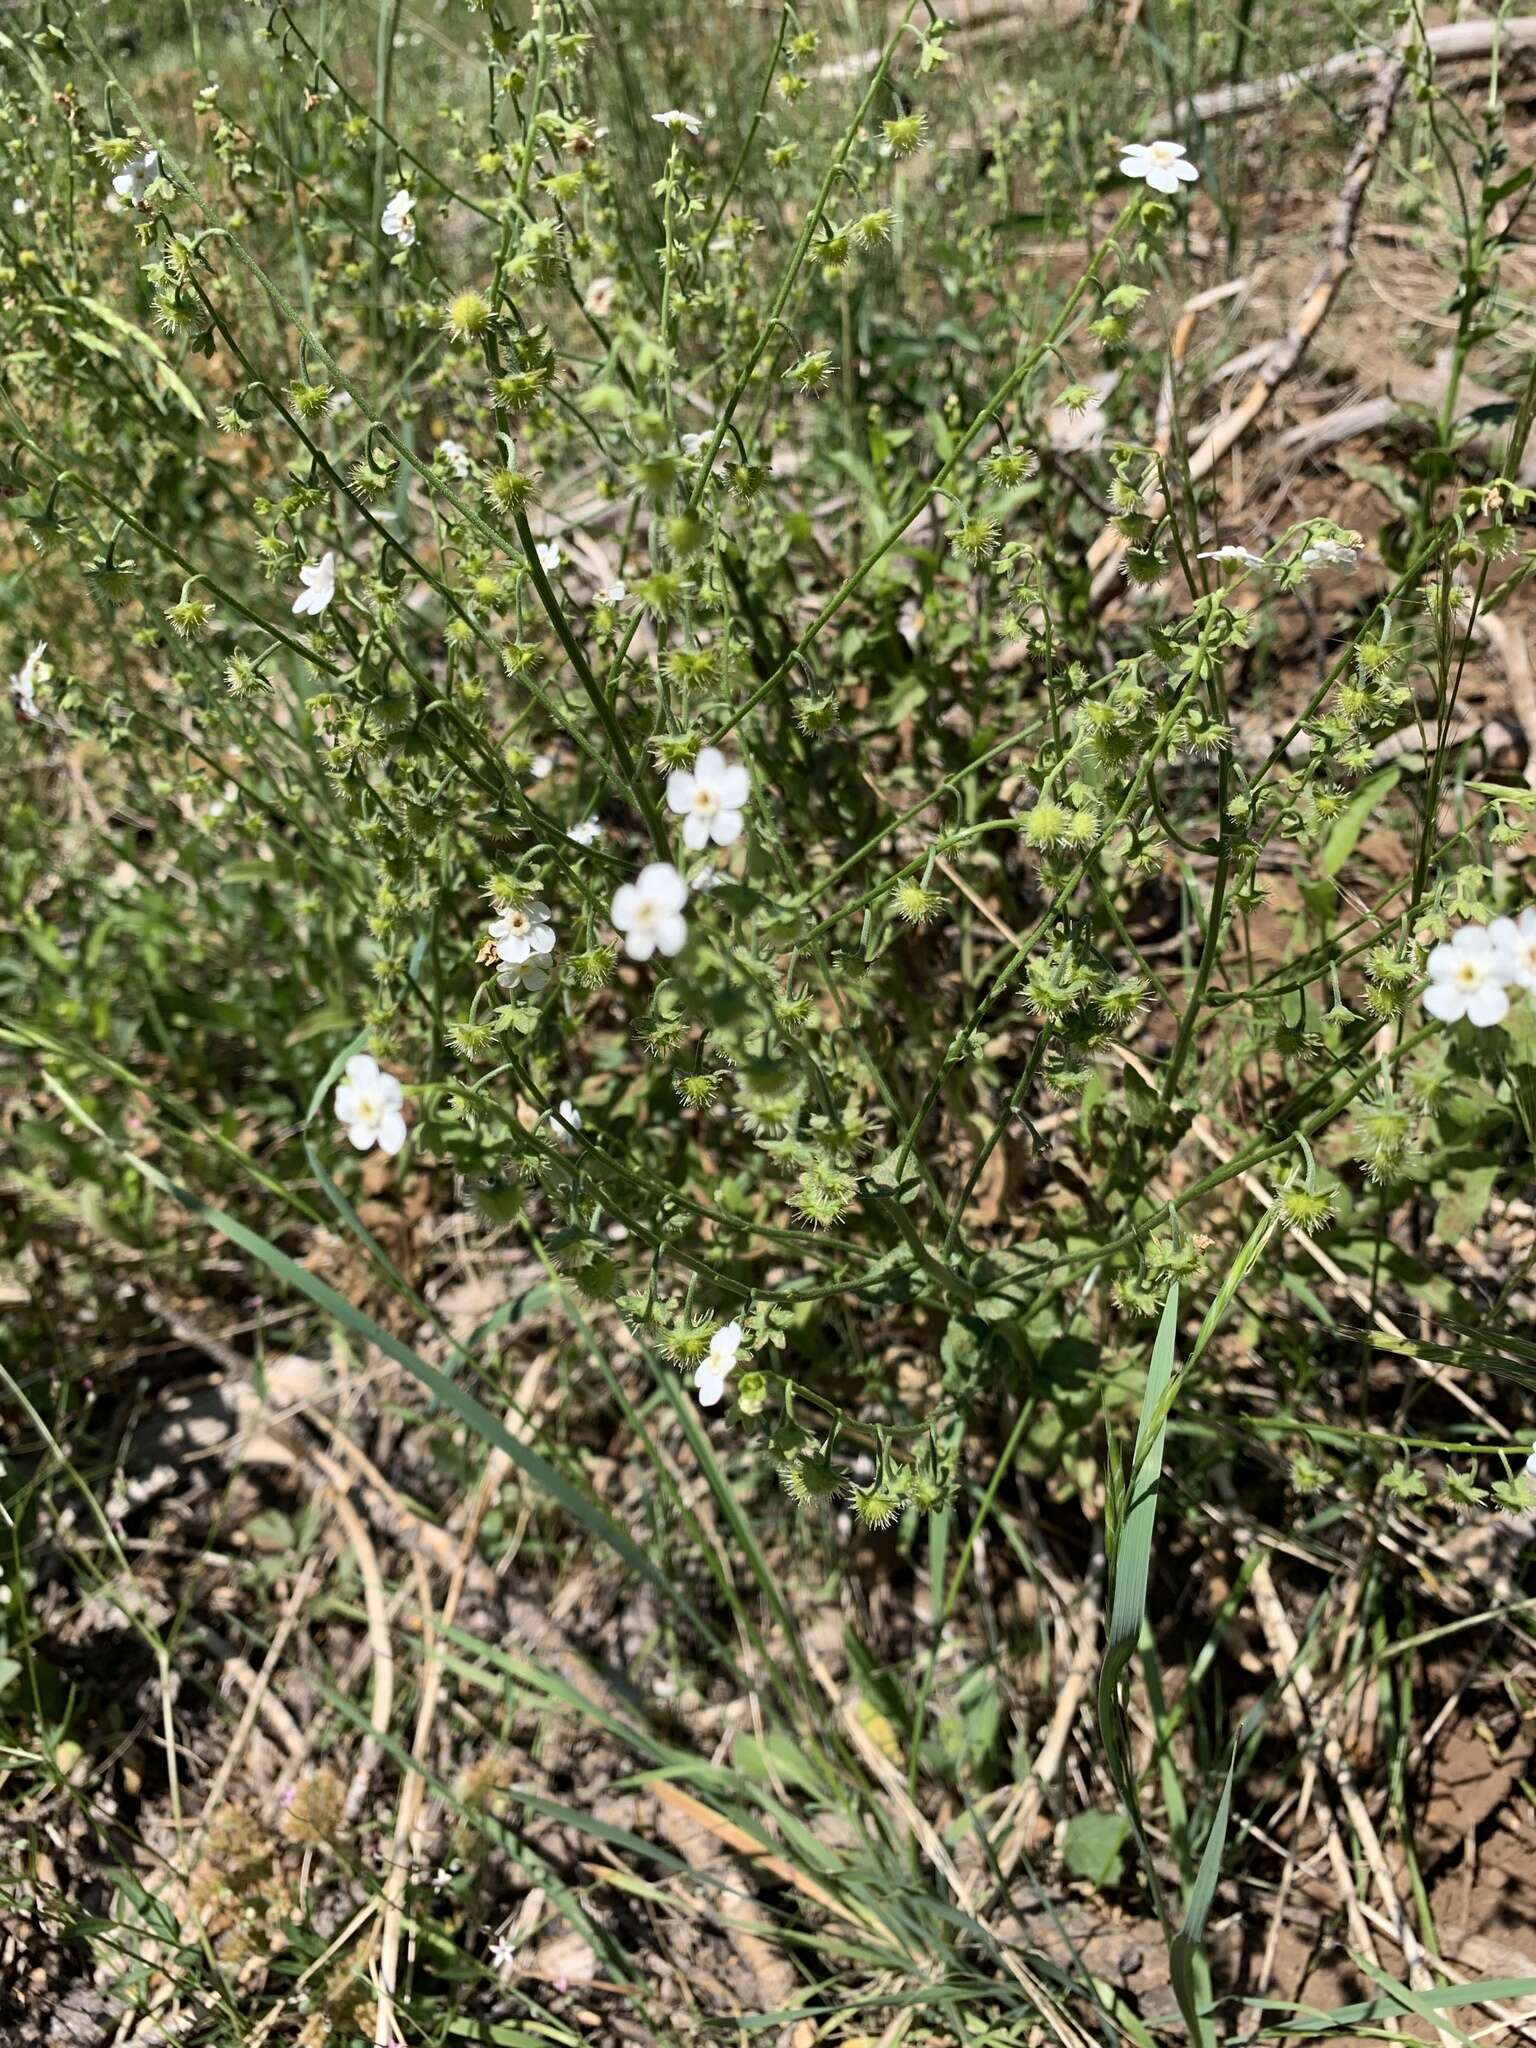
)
(770, 1042)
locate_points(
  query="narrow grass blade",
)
(1186, 1950)
(1133, 1551)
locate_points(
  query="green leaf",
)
(1094, 1848)
(1352, 820)
(1463, 1208)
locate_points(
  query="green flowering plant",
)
(636, 673)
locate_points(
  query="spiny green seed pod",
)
(676, 750)
(1385, 964)
(809, 373)
(118, 151)
(976, 538)
(472, 1038)
(538, 255)
(1463, 1491)
(871, 228)
(310, 401)
(876, 1506)
(1175, 1258)
(594, 967)
(368, 482)
(694, 668)
(824, 1194)
(113, 581)
(657, 474)
(1045, 823)
(1384, 1002)
(510, 490)
(816, 715)
(1144, 566)
(1007, 467)
(696, 1091)
(596, 1277)
(915, 903)
(904, 134)
(1383, 1133)
(834, 254)
(661, 593)
(661, 1036)
(686, 1344)
(510, 892)
(243, 679)
(685, 534)
(791, 1012)
(1308, 1209)
(768, 1109)
(469, 316)
(192, 617)
(813, 1479)
(521, 389)
(1137, 1298)
(1122, 1003)
(1308, 1477)
(521, 658)
(928, 1493)
(746, 481)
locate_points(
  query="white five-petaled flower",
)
(33, 670)
(503, 1953)
(397, 220)
(319, 581)
(456, 455)
(522, 930)
(587, 832)
(541, 767)
(19, 206)
(598, 299)
(565, 1122)
(613, 593)
(676, 122)
(1516, 939)
(1231, 553)
(649, 911)
(134, 181)
(525, 977)
(716, 1367)
(368, 1102)
(551, 560)
(1469, 978)
(1163, 165)
(1331, 554)
(709, 798)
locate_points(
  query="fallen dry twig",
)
(1448, 40)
